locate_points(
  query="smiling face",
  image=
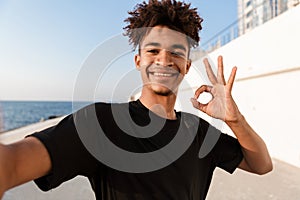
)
(163, 60)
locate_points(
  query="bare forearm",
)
(6, 168)
(21, 162)
(255, 151)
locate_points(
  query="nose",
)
(164, 59)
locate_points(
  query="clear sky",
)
(43, 44)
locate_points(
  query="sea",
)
(15, 114)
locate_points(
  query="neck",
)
(161, 105)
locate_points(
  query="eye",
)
(177, 53)
(153, 51)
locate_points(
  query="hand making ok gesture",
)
(222, 105)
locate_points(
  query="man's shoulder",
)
(103, 105)
(193, 119)
(189, 116)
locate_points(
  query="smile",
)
(162, 74)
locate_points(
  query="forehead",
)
(165, 37)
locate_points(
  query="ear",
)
(137, 61)
(188, 65)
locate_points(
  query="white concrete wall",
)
(267, 83)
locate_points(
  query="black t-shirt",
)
(76, 149)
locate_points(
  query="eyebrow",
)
(174, 46)
(179, 46)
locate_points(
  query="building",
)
(253, 13)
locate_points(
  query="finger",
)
(209, 71)
(231, 78)
(220, 75)
(198, 105)
(201, 89)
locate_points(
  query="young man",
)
(160, 147)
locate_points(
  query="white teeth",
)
(162, 74)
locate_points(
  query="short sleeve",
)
(69, 157)
(227, 153)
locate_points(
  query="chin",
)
(162, 91)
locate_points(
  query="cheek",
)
(146, 60)
(183, 68)
(144, 64)
(143, 71)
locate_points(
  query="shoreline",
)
(16, 134)
(41, 120)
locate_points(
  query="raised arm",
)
(222, 106)
(21, 162)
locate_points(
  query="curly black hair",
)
(171, 13)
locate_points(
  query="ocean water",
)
(15, 114)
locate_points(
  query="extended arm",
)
(256, 157)
(222, 106)
(21, 162)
